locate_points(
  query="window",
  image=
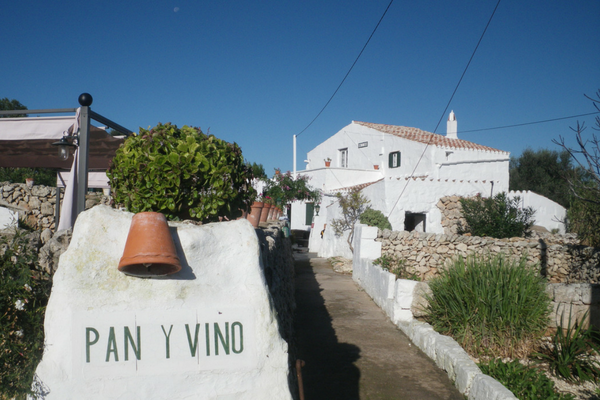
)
(344, 158)
(394, 159)
(415, 222)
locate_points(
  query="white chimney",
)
(451, 128)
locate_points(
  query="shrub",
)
(573, 351)
(526, 383)
(376, 218)
(181, 173)
(396, 266)
(23, 297)
(490, 305)
(498, 217)
(353, 205)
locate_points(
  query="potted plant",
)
(327, 162)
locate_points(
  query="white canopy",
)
(52, 128)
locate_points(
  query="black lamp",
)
(63, 148)
(317, 208)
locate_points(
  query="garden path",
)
(351, 348)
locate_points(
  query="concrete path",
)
(351, 349)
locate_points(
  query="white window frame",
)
(344, 158)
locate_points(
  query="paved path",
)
(351, 348)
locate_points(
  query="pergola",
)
(31, 142)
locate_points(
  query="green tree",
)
(498, 217)
(9, 105)
(544, 172)
(284, 189)
(258, 171)
(353, 205)
(584, 213)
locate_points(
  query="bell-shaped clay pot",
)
(149, 250)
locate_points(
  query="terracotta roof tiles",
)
(421, 136)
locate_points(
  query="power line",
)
(529, 123)
(348, 73)
(447, 105)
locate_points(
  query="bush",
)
(498, 217)
(573, 351)
(23, 297)
(490, 305)
(395, 266)
(526, 383)
(376, 218)
(181, 173)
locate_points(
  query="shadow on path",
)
(351, 348)
(330, 373)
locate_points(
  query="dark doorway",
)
(415, 222)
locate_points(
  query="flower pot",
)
(29, 182)
(254, 216)
(327, 163)
(149, 249)
(265, 212)
(376, 166)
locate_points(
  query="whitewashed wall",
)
(548, 213)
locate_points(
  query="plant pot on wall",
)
(149, 249)
(376, 166)
(254, 216)
(29, 182)
(327, 164)
(265, 212)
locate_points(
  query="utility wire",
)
(447, 105)
(530, 123)
(348, 73)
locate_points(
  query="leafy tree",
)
(258, 171)
(353, 205)
(284, 189)
(181, 173)
(584, 214)
(543, 172)
(498, 217)
(8, 105)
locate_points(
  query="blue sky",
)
(257, 72)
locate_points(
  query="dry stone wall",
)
(559, 257)
(36, 204)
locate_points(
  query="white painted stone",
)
(485, 387)
(97, 315)
(8, 218)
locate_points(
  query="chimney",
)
(451, 129)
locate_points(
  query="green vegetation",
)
(353, 205)
(543, 172)
(492, 306)
(571, 355)
(376, 218)
(526, 383)
(41, 176)
(181, 173)
(498, 217)
(284, 189)
(23, 297)
(396, 266)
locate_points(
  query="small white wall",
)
(206, 332)
(548, 213)
(8, 218)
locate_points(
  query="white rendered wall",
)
(548, 213)
(8, 218)
(207, 332)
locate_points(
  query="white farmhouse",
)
(402, 171)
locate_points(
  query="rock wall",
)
(36, 205)
(561, 259)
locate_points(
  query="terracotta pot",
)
(265, 212)
(327, 163)
(376, 166)
(254, 216)
(149, 249)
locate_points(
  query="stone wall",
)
(560, 257)
(36, 205)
